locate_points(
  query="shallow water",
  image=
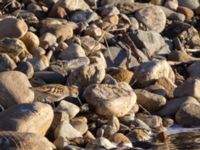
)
(181, 139)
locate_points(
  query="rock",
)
(73, 5)
(72, 52)
(152, 17)
(34, 118)
(86, 75)
(12, 46)
(134, 23)
(26, 68)
(27, 16)
(15, 89)
(12, 28)
(37, 51)
(70, 108)
(188, 114)
(193, 71)
(111, 127)
(82, 16)
(192, 4)
(157, 2)
(135, 109)
(189, 88)
(31, 40)
(171, 4)
(152, 121)
(39, 63)
(186, 11)
(103, 142)
(141, 124)
(109, 11)
(65, 130)
(112, 20)
(72, 147)
(150, 71)
(138, 135)
(18, 141)
(47, 40)
(111, 99)
(150, 101)
(119, 57)
(187, 34)
(120, 138)
(6, 63)
(150, 42)
(168, 122)
(109, 80)
(61, 31)
(90, 45)
(58, 118)
(93, 31)
(173, 106)
(80, 124)
(61, 142)
(172, 15)
(36, 9)
(49, 77)
(115, 2)
(57, 12)
(121, 75)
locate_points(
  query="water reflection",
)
(181, 141)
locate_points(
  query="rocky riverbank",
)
(97, 74)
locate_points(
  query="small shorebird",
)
(54, 92)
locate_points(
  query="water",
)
(181, 139)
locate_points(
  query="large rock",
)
(72, 5)
(153, 121)
(34, 118)
(150, 42)
(71, 109)
(19, 141)
(172, 15)
(31, 40)
(192, 4)
(110, 100)
(72, 52)
(193, 71)
(150, 71)
(62, 31)
(150, 101)
(173, 106)
(119, 57)
(6, 63)
(80, 124)
(66, 130)
(12, 28)
(15, 89)
(115, 2)
(189, 88)
(152, 17)
(82, 16)
(189, 114)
